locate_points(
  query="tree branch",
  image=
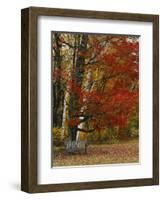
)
(86, 131)
(68, 44)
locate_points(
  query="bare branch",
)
(85, 131)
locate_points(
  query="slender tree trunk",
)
(78, 69)
(67, 95)
(87, 86)
(57, 92)
(65, 112)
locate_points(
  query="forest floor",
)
(121, 152)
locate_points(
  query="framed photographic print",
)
(90, 99)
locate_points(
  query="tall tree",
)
(77, 78)
(57, 84)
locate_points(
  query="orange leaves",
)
(110, 59)
(124, 98)
(62, 39)
(119, 120)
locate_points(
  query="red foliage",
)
(114, 106)
(73, 122)
(56, 73)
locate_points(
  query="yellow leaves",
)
(111, 50)
(82, 136)
(66, 123)
(110, 84)
(95, 74)
(121, 61)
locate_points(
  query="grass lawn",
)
(122, 152)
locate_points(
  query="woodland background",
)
(95, 88)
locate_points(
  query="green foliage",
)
(57, 137)
(106, 136)
(133, 125)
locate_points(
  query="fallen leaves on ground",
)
(123, 152)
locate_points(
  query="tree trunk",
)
(57, 92)
(65, 113)
(78, 68)
(87, 85)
